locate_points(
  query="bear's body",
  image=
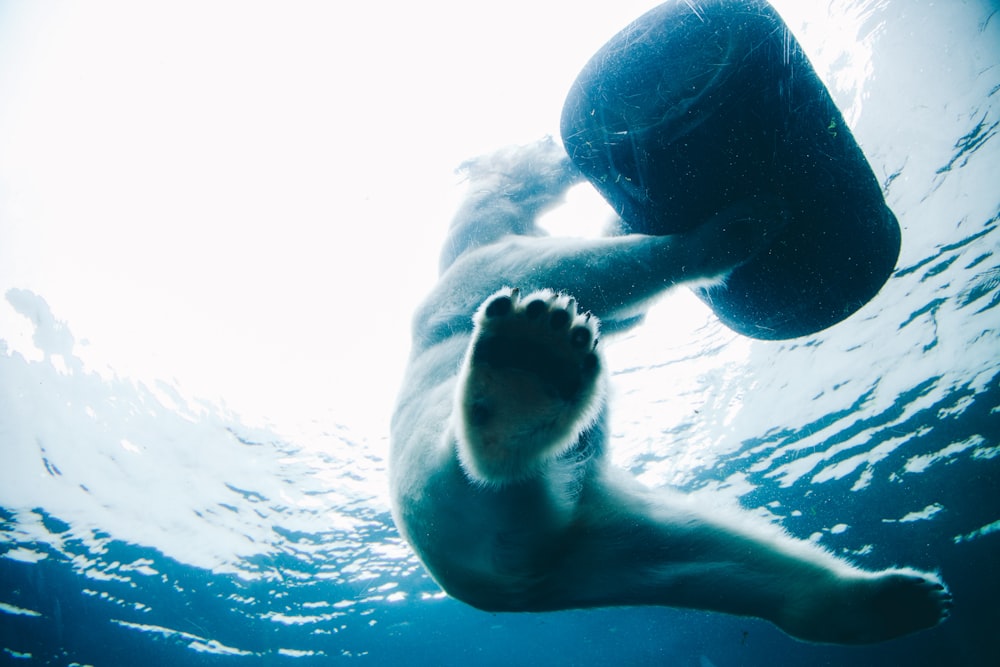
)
(498, 474)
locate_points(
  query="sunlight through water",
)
(215, 222)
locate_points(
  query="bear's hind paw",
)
(529, 384)
(875, 607)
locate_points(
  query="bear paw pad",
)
(529, 384)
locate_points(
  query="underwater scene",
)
(216, 222)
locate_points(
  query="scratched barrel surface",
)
(707, 107)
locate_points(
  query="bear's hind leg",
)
(530, 384)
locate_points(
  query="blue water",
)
(140, 527)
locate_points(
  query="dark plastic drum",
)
(699, 107)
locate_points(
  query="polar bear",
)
(497, 468)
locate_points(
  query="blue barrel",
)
(698, 107)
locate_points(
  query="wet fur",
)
(498, 474)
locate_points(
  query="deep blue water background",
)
(139, 528)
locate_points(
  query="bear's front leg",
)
(529, 385)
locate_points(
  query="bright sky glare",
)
(247, 197)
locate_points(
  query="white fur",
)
(498, 474)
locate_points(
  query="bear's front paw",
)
(736, 234)
(529, 385)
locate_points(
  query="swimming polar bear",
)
(497, 468)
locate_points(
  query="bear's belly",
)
(492, 548)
